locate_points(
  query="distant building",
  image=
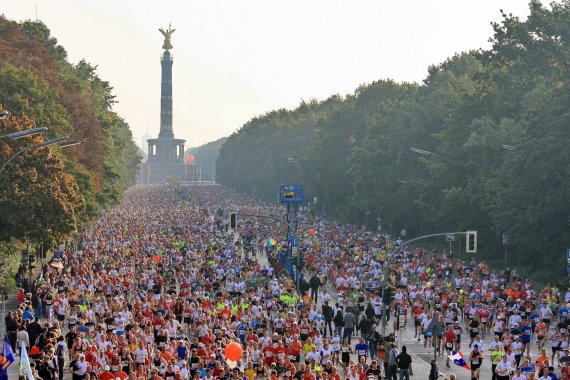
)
(145, 137)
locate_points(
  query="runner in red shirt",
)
(295, 350)
(280, 351)
(106, 374)
(251, 336)
(417, 323)
(269, 355)
(449, 339)
(295, 331)
(484, 317)
(305, 330)
(121, 374)
(289, 322)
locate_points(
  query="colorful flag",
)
(457, 358)
(6, 358)
(25, 368)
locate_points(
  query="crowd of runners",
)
(159, 287)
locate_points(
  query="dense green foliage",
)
(49, 193)
(354, 153)
(205, 157)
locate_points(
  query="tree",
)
(38, 200)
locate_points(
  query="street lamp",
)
(49, 142)
(422, 152)
(20, 134)
(57, 140)
(69, 143)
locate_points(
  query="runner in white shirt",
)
(335, 345)
(518, 375)
(496, 342)
(326, 354)
(140, 355)
(514, 320)
(517, 347)
(503, 369)
(425, 324)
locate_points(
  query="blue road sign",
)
(568, 268)
(291, 194)
(294, 241)
(568, 255)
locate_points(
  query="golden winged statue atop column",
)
(167, 33)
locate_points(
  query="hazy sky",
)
(236, 59)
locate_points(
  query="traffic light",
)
(471, 242)
(233, 221)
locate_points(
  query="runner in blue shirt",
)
(563, 314)
(361, 348)
(526, 332)
(242, 331)
(534, 318)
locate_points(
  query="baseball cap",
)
(107, 368)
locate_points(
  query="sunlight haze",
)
(234, 60)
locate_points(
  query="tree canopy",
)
(354, 152)
(46, 196)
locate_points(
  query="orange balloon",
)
(233, 351)
(311, 232)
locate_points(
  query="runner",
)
(450, 338)
(475, 360)
(160, 287)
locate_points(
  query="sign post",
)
(292, 196)
(400, 324)
(450, 238)
(295, 255)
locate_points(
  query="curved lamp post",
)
(20, 134)
(69, 143)
(57, 140)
